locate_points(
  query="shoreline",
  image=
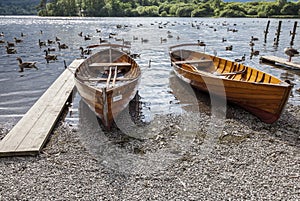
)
(251, 160)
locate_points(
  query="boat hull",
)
(262, 97)
(104, 97)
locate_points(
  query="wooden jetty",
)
(278, 60)
(30, 134)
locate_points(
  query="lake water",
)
(19, 91)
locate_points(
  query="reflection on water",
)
(150, 37)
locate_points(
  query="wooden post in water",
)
(276, 40)
(267, 31)
(293, 34)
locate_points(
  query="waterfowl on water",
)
(1, 34)
(291, 52)
(57, 39)
(102, 40)
(2, 41)
(17, 40)
(23, 65)
(10, 44)
(201, 43)
(242, 59)
(85, 52)
(10, 50)
(49, 57)
(87, 37)
(144, 40)
(228, 48)
(41, 43)
(62, 46)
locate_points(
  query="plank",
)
(193, 61)
(29, 135)
(275, 59)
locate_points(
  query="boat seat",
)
(193, 61)
(124, 64)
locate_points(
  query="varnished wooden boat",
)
(258, 92)
(107, 81)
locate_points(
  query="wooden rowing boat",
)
(260, 93)
(107, 81)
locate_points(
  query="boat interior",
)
(197, 62)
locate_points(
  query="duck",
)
(49, 57)
(291, 52)
(10, 50)
(1, 34)
(80, 34)
(62, 46)
(2, 41)
(23, 65)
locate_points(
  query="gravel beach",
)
(245, 160)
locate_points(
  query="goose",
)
(85, 52)
(23, 65)
(62, 46)
(49, 57)
(201, 43)
(144, 40)
(9, 44)
(134, 55)
(51, 49)
(17, 40)
(50, 42)
(41, 43)
(102, 40)
(242, 59)
(57, 39)
(10, 50)
(291, 52)
(87, 37)
(228, 48)
(163, 40)
(253, 38)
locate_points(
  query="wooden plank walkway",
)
(274, 60)
(30, 134)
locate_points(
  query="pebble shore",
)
(245, 160)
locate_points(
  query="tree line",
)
(168, 8)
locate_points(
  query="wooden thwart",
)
(109, 64)
(30, 134)
(274, 60)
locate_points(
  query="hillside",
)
(18, 7)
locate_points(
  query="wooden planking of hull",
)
(260, 93)
(107, 81)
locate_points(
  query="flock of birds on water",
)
(11, 46)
